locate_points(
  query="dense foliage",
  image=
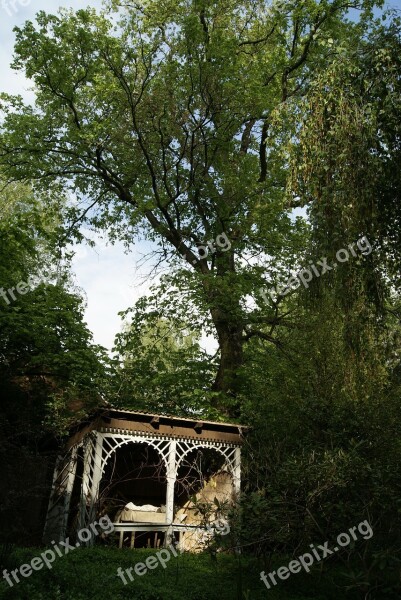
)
(44, 344)
(93, 574)
(51, 374)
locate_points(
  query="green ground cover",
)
(92, 574)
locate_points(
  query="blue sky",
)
(111, 280)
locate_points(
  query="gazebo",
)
(159, 478)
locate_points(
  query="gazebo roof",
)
(118, 420)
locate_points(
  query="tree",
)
(345, 170)
(49, 367)
(325, 407)
(160, 365)
(165, 123)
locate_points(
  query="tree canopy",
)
(167, 118)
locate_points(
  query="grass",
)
(91, 573)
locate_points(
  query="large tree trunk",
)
(227, 318)
(231, 356)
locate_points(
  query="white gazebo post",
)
(60, 498)
(171, 478)
(72, 469)
(86, 489)
(237, 471)
(97, 467)
(96, 477)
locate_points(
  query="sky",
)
(110, 279)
